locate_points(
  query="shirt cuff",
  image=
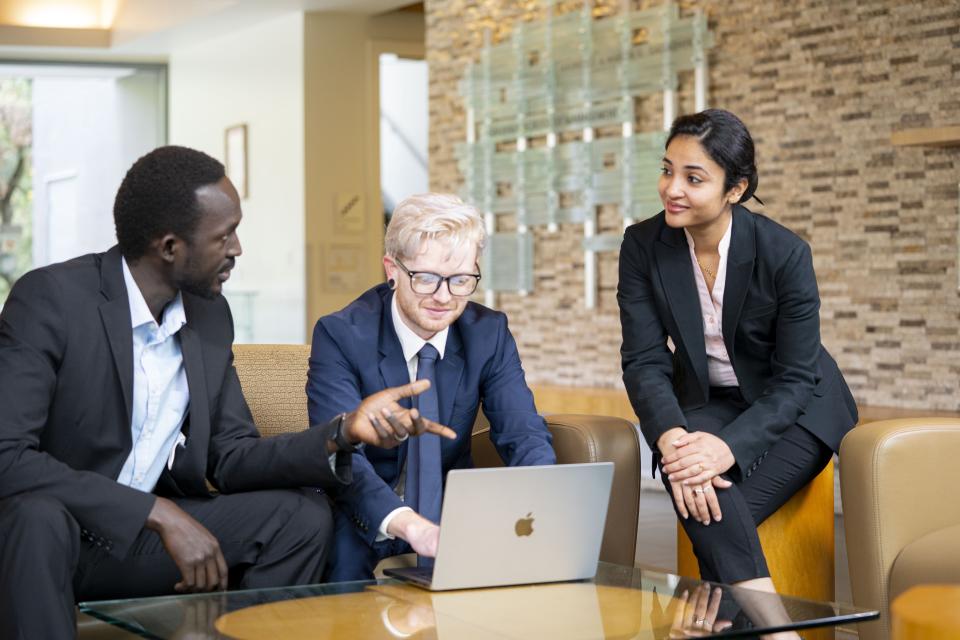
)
(382, 532)
(341, 464)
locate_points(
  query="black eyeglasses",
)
(426, 283)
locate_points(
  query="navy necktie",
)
(424, 484)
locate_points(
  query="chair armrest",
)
(588, 438)
(897, 479)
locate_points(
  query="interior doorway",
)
(404, 117)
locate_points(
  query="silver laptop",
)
(518, 525)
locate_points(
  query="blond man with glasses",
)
(420, 324)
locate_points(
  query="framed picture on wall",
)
(235, 140)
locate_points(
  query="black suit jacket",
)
(771, 330)
(66, 385)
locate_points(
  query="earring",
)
(392, 284)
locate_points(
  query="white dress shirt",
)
(411, 344)
(160, 392)
(719, 367)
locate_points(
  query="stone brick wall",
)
(822, 84)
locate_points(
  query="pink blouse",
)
(719, 368)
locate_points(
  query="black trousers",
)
(268, 538)
(729, 551)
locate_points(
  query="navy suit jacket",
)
(356, 352)
(771, 330)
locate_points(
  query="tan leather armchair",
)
(273, 379)
(899, 481)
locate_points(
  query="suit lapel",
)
(680, 289)
(393, 367)
(449, 371)
(196, 427)
(115, 315)
(740, 261)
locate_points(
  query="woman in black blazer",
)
(747, 406)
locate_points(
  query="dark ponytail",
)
(751, 191)
(728, 143)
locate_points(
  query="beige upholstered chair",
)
(274, 377)
(274, 380)
(899, 481)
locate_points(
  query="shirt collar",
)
(410, 342)
(724, 241)
(173, 315)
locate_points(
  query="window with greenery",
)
(16, 181)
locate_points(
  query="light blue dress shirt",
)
(160, 392)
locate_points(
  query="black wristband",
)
(338, 438)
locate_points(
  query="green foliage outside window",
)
(16, 181)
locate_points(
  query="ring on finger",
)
(699, 491)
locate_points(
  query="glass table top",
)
(620, 602)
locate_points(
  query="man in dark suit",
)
(119, 401)
(420, 325)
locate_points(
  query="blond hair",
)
(442, 217)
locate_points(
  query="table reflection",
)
(622, 602)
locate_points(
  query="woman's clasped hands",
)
(693, 463)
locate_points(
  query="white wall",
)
(76, 172)
(254, 76)
(88, 128)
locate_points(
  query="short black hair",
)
(728, 143)
(159, 195)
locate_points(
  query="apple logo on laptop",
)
(524, 526)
